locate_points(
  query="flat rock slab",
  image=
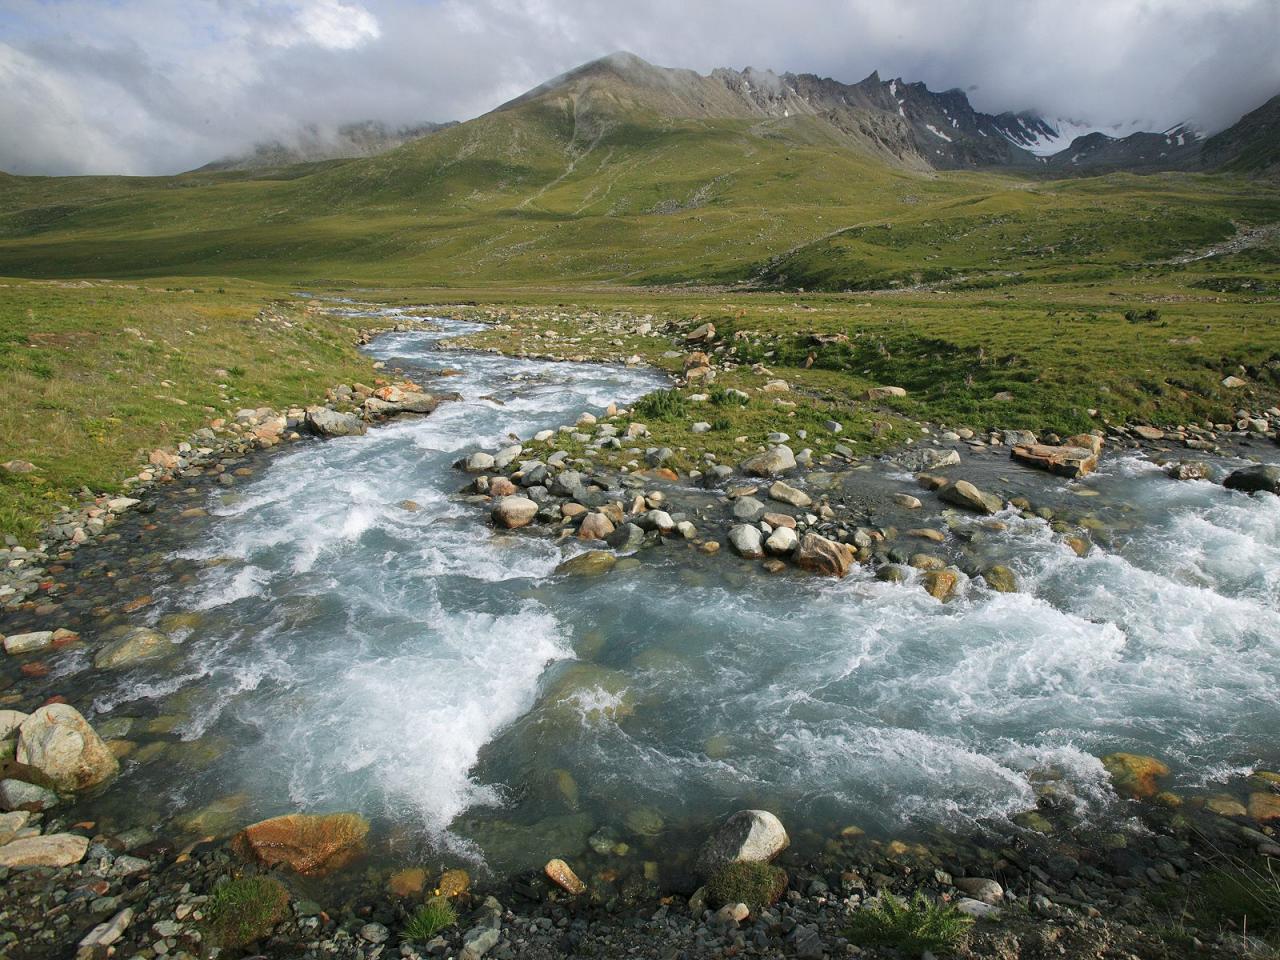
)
(53, 850)
(1065, 461)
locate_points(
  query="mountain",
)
(312, 143)
(1251, 146)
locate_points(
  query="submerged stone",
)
(309, 844)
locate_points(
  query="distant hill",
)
(1250, 146)
(311, 144)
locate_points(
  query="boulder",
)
(58, 742)
(940, 584)
(626, 537)
(1260, 478)
(981, 889)
(964, 494)
(514, 512)
(50, 850)
(747, 541)
(782, 541)
(310, 844)
(1001, 579)
(136, 646)
(478, 462)
(926, 458)
(1264, 806)
(1134, 775)
(774, 461)
(1063, 460)
(1145, 432)
(324, 422)
(753, 836)
(817, 554)
(883, 393)
(703, 334)
(1189, 470)
(747, 509)
(593, 563)
(594, 526)
(19, 795)
(785, 493)
(1018, 438)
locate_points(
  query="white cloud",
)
(149, 86)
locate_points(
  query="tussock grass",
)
(912, 926)
(246, 909)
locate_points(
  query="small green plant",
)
(1142, 316)
(758, 885)
(246, 909)
(661, 405)
(725, 398)
(913, 926)
(428, 920)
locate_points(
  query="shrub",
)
(660, 405)
(428, 920)
(725, 398)
(246, 909)
(758, 885)
(912, 927)
(1142, 316)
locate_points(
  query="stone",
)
(754, 836)
(964, 494)
(594, 526)
(907, 501)
(747, 509)
(776, 460)
(1264, 806)
(562, 875)
(976, 908)
(514, 512)
(478, 462)
(747, 541)
(10, 720)
(324, 422)
(1234, 383)
(478, 941)
(58, 742)
(1018, 438)
(136, 646)
(1260, 478)
(1065, 461)
(782, 541)
(776, 520)
(20, 795)
(940, 584)
(313, 845)
(18, 466)
(785, 493)
(1144, 432)
(658, 520)
(1001, 579)
(1134, 775)
(625, 538)
(702, 334)
(50, 850)
(883, 393)
(374, 933)
(926, 458)
(981, 889)
(106, 933)
(817, 554)
(1225, 806)
(593, 563)
(17, 643)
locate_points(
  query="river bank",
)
(219, 574)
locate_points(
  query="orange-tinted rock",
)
(313, 845)
(407, 883)
(502, 487)
(453, 883)
(1064, 461)
(1264, 807)
(562, 875)
(1134, 775)
(820, 555)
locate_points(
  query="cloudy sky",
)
(158, 86)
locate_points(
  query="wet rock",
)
(926, 458)
(50, 850)
(453, 883)
(1001, 579)
(1189, 470)
(17, 643)
(747, 541)
(940, 584)
(514, 512)
(310, 844)
(893, 573)
(593, 563)
(1134, 775)
(779, 459)
(478, 462)
(325, 422)
(964, 494)
(1264, 806)
(756, 836)
(58, 742)
(907, 501)
(562, 875)
(20, 795)
(1260, 478)
(782, 541)
(658, 520)
(595, 526)
(817, 554)
(625, 538)
(1063, 460)
(409, 882)
(136, 646)
(785, 493)
(96, 941)
(747, 509)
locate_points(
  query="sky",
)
(160, 86)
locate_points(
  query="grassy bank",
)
(99, 373)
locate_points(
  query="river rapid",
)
(355, 637)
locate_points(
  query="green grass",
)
(911, 927)
(245, 909)
(758, 885)
(428, 920)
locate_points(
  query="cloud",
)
(152, 86)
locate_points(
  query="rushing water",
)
(352, 653)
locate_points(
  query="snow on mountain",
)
(1045, 138)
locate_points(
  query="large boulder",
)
(324, 422)
(50, 850)
(785, 493)
(1134, 775)
(753, 836)
(964, 494)
(593, 563)
(1066, 461)
(513, 512)
(595, 526)
(1260, 478)
(747, 541)
(136, 646)
(773, 461)
(820, 555)
(927, 458)
(310, 844)
(59, 743)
